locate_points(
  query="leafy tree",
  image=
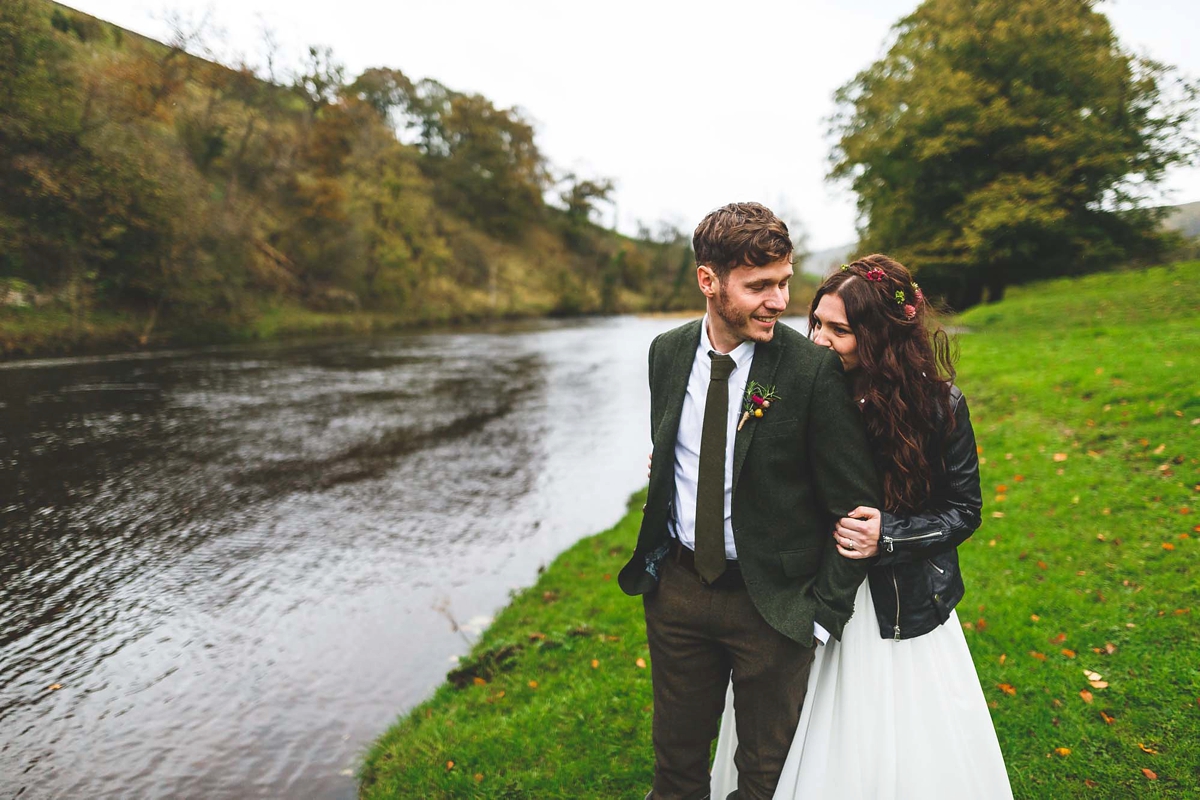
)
(582, 195)
(320, 79)
(1000, 140)
(485, 163)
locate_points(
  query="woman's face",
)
(830, 329)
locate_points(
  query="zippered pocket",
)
(889, 542)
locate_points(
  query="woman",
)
(895, 710)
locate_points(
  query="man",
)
(758, 449)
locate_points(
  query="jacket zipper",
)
(889, 542)
(939, 569)
(896, 586)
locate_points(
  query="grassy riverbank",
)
(1085, 404)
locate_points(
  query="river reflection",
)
(241, 565)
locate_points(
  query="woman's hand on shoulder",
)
(857, 535)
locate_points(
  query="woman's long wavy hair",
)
(905, 368)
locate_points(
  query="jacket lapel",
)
(766, 360)
(675, 385)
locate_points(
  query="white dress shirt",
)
(687, 443)
(691, 428)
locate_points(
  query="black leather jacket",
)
(915, 581)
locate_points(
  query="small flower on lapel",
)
(758, 399)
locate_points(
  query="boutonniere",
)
(757, 400)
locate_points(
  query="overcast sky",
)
(687, 106)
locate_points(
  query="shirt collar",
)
(742, 355)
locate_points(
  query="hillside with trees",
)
(149, 195)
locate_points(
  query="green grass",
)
(1101, 546)
(1101, 370)
(55, 331)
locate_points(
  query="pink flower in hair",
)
(875, 274)
(910, 311)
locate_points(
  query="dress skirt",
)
(885, 720)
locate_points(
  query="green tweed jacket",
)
(796, 470)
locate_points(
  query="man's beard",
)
(739, 323)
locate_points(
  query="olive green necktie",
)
(710, 486)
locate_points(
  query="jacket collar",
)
(677, 379)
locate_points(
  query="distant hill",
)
(1185, 219)
(823, 262)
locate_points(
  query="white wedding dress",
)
(885, 720)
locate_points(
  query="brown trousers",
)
(698, 635)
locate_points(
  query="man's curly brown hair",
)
(740, 235)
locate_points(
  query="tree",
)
(320, 78)
(1002, 140)
(582, 195)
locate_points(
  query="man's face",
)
(747, 304)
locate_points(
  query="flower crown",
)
(876, 275)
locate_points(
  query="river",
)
(225, 571)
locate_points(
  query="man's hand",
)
(649, 464)
(857, 535)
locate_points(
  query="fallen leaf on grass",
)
(1056, 703)
(1099, 684)
(1001, 489)
(595, 663)
(1149, 774)
(1060, 457)
(1062, 637)
(1091, 784)
(1042, 565)
(1149, 750)
(478, 681)
(968, 626)
(1034, 617)
(1092, 676)
(1003, 657)
(497, 696)
(1168, 546)
(479, 777)
(1086, 695)
(1068, 652)
(449, 766)
(1063, 751)
(1108, 719)
(535, 636)
(641, 663)
(533, 684)
(997, 515)
(1006, 688)
(1110, 648)
(1037, 655)
(1019, 478)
